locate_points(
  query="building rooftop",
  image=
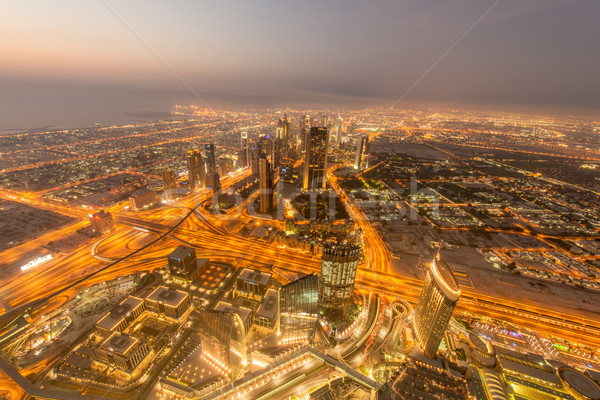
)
(528, 370)
(579, 383)
(268, 306)
(244, 313)
(182, 252)
(444, 277)
(143, 192)
(120, 312)
(168, 296)
(251, 275)
(120, 343)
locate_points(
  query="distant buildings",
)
(168, 178)
(143, 199)
(338, 273)
(299, 309)
(361, 158)
(438, 298)
(102, 222)
(287, 171)
(213, 182)
(282, 138)
(196, 169)
(315, 159)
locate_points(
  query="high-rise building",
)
(244, 152)
(209, 155)
(315, 159)
(283, 128)
(338, 273)
(183, 265)
(168, 178)
(102, 222)
(254, 155)
(299, 308)
(438, 298)
(338, 133)
(265, 185)
(362, 147)
(213, 182)
(305, 124)
(196, 169)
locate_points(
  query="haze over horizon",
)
(72, 63)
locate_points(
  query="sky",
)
(70, 62)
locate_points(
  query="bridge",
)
(357, 376)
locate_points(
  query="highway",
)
(143, 240)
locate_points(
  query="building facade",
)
(437, 301)
(265, 185)
(102, 221)
(196, 169)
(299, 308)
(315, 159)
(338, 273)
(362, 147)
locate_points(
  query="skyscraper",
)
(299, 308)
(196, 170)
(304, 130)
(209, 155)
(265, 185)
(283, 128)
(438, 298)
(338, 273)
(361, 149)
(254, 154)
(244, 153)
(315, 159)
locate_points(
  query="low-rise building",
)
(119, 317)
(267, 314)
(252, 284)
(144, 199)
(170, 302)
(122, 351)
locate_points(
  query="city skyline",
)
(107, 62)
(280, 200)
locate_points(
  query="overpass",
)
(357, 376)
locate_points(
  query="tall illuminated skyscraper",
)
(438, 298)
(361, 150)
(244, 153)
(265, 185)
(315, 159)
(209, 155)
(283, 130)
(338, 273)
(196, 169)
